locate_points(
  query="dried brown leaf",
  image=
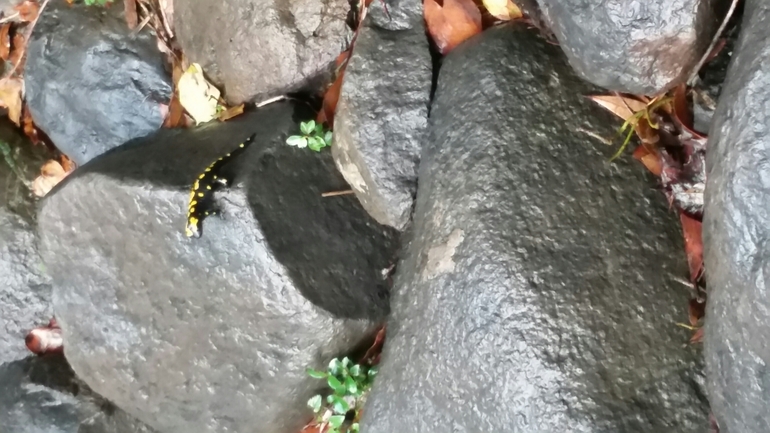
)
(696, 309)
(504, 10)
(451, 23)
(51, 174)
(10, 98)
(621, 106)
(18, 49)
(697, 337)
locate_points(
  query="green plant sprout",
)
(348, 382)
(96, 2)
(313, 136)
(634, 119)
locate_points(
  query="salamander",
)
(202, 203)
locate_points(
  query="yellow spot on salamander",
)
(207, 213)
(202, 176)
(208, 169)
(208, 187)
(196, 185)
(200, 194)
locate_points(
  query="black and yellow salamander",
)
(202, 202)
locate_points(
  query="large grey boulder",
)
(382, 112)
(736, 227)
(538, 292)
(254, 49)
(92, 85)
(635, 47)
(215, 333)
(42, 395)
(25, 289)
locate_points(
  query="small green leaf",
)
(330, 398)
(315, 143)
(351, 385)
(336, 385)
(345, 361)
(354, 427)
(308, 127)
(319, 129)
(315, 374)
(340, 406)
(328, 138)
(372, 372)
(336, 420)
(297, 140)
(355, 370)
(315, 403)
(335, 366)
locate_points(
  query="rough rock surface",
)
(90, 85)
(212, 334)
(639, 47)
(736, 227)
(42, 395)
(25, 290)
(382, 112)
(254, 49)
(538, 291)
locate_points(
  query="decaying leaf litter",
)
(668, 146)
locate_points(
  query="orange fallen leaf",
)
(693, 244)
(230, 113)
(28, 10)
(650, 158)
(5, 41)
(175, 114)
(51, 174)
(10, 98)
(329, 106)
(451, 23)
(504, 10)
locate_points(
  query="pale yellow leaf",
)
(619, 106)
(198, 97)
(502, 9)
(51, 174)
(10, 97)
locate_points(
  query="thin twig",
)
(164, 20)
(336, 193)
(9, 18)
(270, 101)
(717, 35)
(26, 40)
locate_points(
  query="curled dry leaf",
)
(51, 174)
(650, 158)
(198, 97)
(504, 10)
(11, 89)
(452, 22)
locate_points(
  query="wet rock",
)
(25, 290)
(382, 112)
(271, 48)
(90, 85)
(735, 228)
(538, 291)
(43, 395)
(215, 333)
(635, 47)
